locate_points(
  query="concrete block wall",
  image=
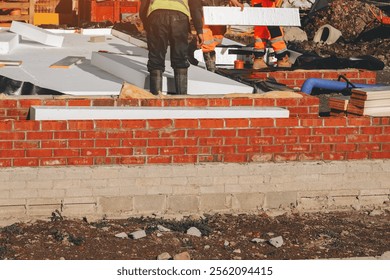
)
(123, 191)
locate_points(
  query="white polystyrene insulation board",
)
(141, 113)
(8, 41)
(251, 16)
(37, 34)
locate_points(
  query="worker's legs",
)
(260, 35)
(157, 37)
(213, 36)
(279, 46)
(178, 40)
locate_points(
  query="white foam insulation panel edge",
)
(8, 41)
(141, 113)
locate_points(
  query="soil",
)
(229, 237)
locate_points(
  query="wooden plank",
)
(12, 18)
(10, 62)
(66, 62)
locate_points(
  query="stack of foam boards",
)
(338, 105)
(370, 102)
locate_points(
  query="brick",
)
(134, 142)
(357, 155)
(76, 143)
(54, 125)
(334, 139)
(322, 147)
(66, 135)
(107, 124)
(103, 102)
(211, 123)
(12, 135)
(196, 102)
(311, 122)
(159, 159)
(274, 131)
(345, 147)
(81, 125)
(215, 141)
(22, 144)
(224, 132)
(335, 122)
(198, 150)
(198, 133)
(187, 123)
(381, 138)
(324, 131)
(6, 125)
(107, 143)
(66, 152)
(160, 142)
(248, 149)
(371, 130)
(262, 122)
(273, 149)
(242, 102)
(25, 162)
(27, 103)
(6, 103)
(357, 138)
(285, 157)
(172, 151)
(283, 102)
(47, 144)
(114, 152)
(359, 121)
(173, 133)
(159, 123)
(79, 102)
(236, 122)
(218, 102)
(132, 160)
(7, 145)
(184, 159)
(174, 102)
(334, 156)
(236, 141)
(146, 134)
(266, 140)
(310, 139)
(380, 155)
(26, 125)
(12, 153)
(286, 140)
(261, 102)
(287, 122)
(52, 161)
(236, 158)
(134, 124)
(367, 147)
(299, 131)
(309, 156)
(80, 161)
(39, 153)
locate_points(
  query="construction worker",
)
(167, 22)
(272, 33)
(213, 34)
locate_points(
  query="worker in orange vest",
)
(272, 33)
(213, 34)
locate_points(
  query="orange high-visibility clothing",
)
(272, 33)
(212, 36)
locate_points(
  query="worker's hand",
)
(199, 40)
(235, 3)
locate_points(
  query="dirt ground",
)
(226, 237)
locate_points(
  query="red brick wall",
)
(51, 143)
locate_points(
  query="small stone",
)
(138, 234)
(164, 256)
(163, 229)
(237, 251)
(159, 234)
(258, 240)
(182, 256)
(237, 258)
(122, 235)
(376, 213)
(226, 243)
(207, 247)
(105, 228)
(194, 232)
(62, 258)
(276, 241)
(385, 256)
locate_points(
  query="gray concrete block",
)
(115, 204)
(215, 202)
(276, 200)
(149, 203)
(248, 201)
(183, 203)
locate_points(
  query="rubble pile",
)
(355, 19)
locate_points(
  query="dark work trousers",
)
(167, 26)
